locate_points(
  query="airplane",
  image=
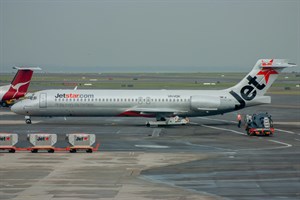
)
(164, 105)
(18, 87)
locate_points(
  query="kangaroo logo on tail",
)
(17, 87)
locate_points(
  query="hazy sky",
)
(205, 35)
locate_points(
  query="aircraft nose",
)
(17, 108)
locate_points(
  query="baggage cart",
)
(81, 141)
(8, 141)
(42, 141)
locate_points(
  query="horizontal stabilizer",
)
(274, 63)
(27, 68)
(260, 100)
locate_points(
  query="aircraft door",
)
(43, 100)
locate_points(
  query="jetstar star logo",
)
(266, 72)
(266, 64)
(4, 138)
(42, 138)
(81, 138)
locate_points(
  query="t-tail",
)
(19, 85)
(250, 91)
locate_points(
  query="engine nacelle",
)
(202, 102)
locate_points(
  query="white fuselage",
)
(157, 103)
(145, 103)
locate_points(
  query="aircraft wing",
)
(151, 112)
(158, 110)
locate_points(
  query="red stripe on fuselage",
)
(134, 114)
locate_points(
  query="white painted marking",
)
(7, 113)
(291, 132)
(152, 146)
(156, 132)
(16, 122)
(278, 142)
(297, 140)
(199, 145)
(276, 129)
(220, 120)
(118, 131)
(224, 129)
(286, 145)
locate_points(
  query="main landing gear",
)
(172, 121)
(27, 119)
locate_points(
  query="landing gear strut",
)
(27, 119)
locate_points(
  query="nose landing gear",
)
(27, 119)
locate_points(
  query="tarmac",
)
(211, 158)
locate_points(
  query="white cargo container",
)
(82, 141)
(8, 141)
(42, 141)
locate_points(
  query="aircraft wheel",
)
(51, 151)
(148, 124)
(73, 151)
(89, 150)
(12, 151)
(28, 121)
(34, 150)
